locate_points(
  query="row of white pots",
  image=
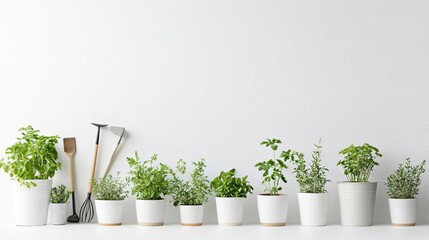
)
(357, 202)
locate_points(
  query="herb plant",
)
(404, 183)
(359, 161)
(60, 194)
(272, 169)
(110, 188)
(32, 157)
(192, 192)
(150, 182)
(227, 185)
(311, 179)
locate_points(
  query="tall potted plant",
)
(190, 194)
(357, 195)
(59, 205)
(32, 163)
(272, 205)
(403, 188)
(150, 186)
(312, 197)
(110, 193)
(230, 192)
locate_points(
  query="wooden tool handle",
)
(72, 173)
(94, 163)
(110, 161)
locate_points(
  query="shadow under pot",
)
(150, 212)
(357, 203)
(31, 204)
(110, 212)
(272, 209)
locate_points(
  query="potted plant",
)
(150, 185)
(190, 194)
(312, 197)
(59, 206)
(272, 205)
(357, 195)
(31, 162)
(230, 192)
(110, 193)
(402, 187)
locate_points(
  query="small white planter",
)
(272, 209)
(313, 208)
(150, 212)
(109, 213)
(229, 211)
(191, 215)
(357, 203)
(31, 204)
(403, 211)
(58, 212)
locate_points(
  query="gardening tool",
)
(120, 132)
(86, 212)
(70, 150)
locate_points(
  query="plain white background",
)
(190, 79)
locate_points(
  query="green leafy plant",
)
(359, 162)
(405, 181)
(191, 192)
(272, 169)
(227, 185)
(110, 188)
(33, 157)
(60, 194)
(311, 179)
(150, 182)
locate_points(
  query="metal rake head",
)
(86, 213)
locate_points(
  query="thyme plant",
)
(405, 181)
(60, 194)
(110, 188)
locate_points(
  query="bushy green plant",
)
(272, 169)
(110, 188)
(33, 157)
(150, 182)
(359, 161)
(227, 185)
(60, 194)
(190, 192)
(311, 179)
(404, 183)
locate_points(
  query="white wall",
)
(191, 79)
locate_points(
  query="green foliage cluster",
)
(359, 161)
(272, 169)
(405, 181)
(150, 181)
(311, 179)
(110, 188)
(33, 157)
(60, 194)
(191, 192)
(227, 185)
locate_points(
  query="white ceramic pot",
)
(272, 209)
(403, 211)
(229, 211)
(191, 215)
(357, 202)
(313, 208)
(109, 212)
(31, 204)
(58, 212)
(150, 212)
